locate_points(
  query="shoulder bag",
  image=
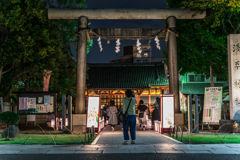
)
(125, 116)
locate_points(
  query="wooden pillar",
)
(81, 66)
(138, 99)
(173, 63)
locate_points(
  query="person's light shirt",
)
(131, 109)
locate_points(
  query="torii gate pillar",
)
(173, 70)
(173, 63)
(79, 118)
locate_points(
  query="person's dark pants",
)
(105, 119)
(132, 125)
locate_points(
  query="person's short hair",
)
(141, 101)
(112, 103)
(128, 93)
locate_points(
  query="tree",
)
(31, 43)
(203, 43)
(24, 38)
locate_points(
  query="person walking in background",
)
(130, 101)
(142, 112)
(104, 113)
(112, 112)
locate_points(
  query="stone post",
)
(70, 113)
(63, 113)
(234, 75)
(81, 66)
(173, 63)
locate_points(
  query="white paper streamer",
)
(100, 44)
(157, 43)
(117, 46)
(139, 46)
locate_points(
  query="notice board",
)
(36, 102)
(212, 105)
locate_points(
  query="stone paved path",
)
(104, 149)
(142, 137)
(111, 142)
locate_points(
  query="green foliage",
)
(203, 43)
(31, 43)
(9, 118)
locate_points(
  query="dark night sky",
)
(108, 53)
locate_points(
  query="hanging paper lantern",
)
(117, 46)
(100, 44)
(139, 46)
(157, 43)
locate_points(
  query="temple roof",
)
(133, 75)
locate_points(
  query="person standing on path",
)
(142, 110)
(104, 113)
(112, 111)
(130, 101)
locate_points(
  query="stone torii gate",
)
(79, 118)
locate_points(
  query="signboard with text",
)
(212, 105)
(234, 75)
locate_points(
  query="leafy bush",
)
(9, 118)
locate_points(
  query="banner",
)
(168, 112)
(212, 105)
(93, 111)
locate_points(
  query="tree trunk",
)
(6, 96)
(1, 71)
(211, 77)
(46, 79)
(26, 85)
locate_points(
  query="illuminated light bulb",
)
(100, 44)
(157, 43)
(117, 46)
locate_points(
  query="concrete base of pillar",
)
(79, 122)
(179, 119)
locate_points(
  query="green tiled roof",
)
(133, 75)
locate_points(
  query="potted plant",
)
(9, 118)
